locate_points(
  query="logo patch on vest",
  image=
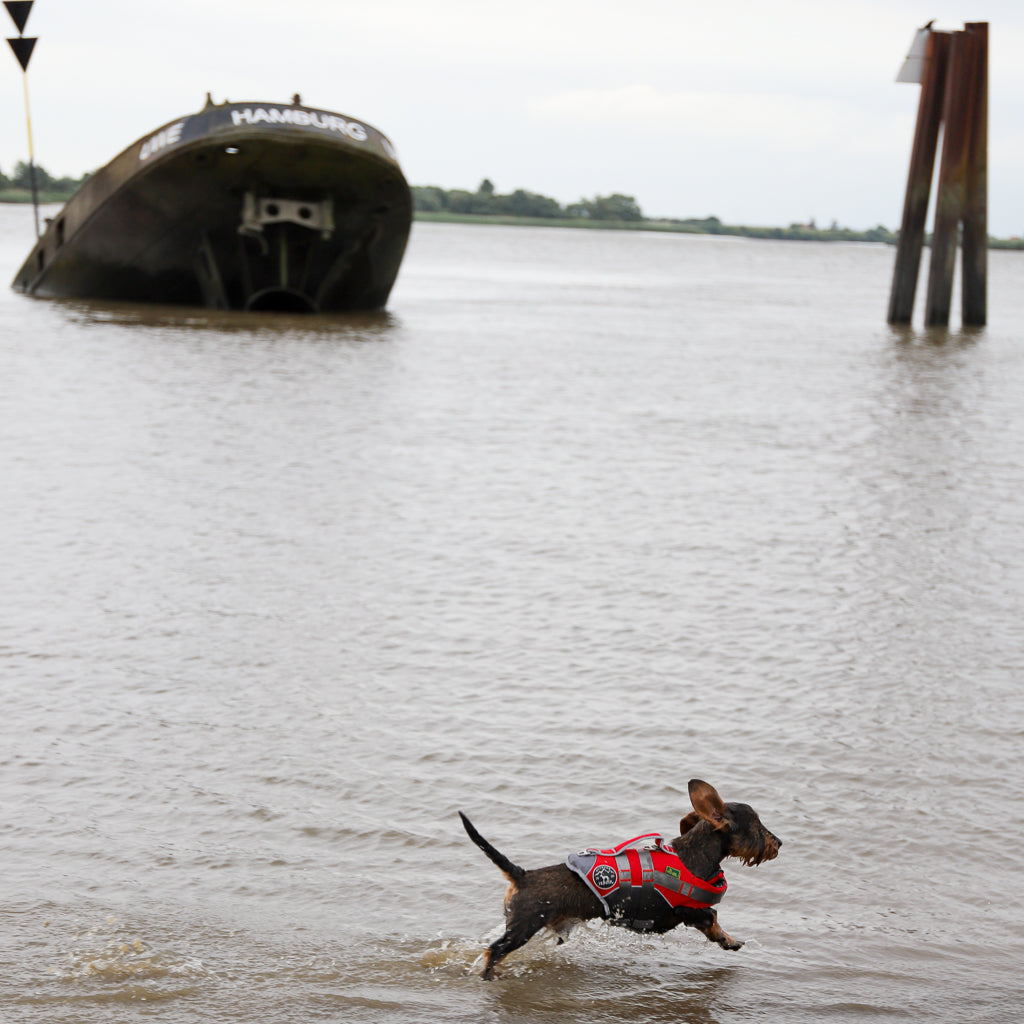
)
(605, 876)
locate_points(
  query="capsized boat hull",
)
(253, 206)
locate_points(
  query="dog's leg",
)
(716, 933)
(517, 933)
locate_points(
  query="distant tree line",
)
(485, 201)
(809, 232)
(617, 210)
(20, 180)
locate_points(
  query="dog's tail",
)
(512, 871)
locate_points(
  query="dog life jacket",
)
(639, 880)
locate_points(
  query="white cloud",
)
(775, 119)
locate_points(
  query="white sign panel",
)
(913, 66)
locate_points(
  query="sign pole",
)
(19, 11)
(31, 155)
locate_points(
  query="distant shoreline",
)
(800, 233)
(796, 233)
(706, 226)
(19, 197)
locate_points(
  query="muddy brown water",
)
(582, 516)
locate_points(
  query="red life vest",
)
(640, 879)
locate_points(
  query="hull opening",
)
(280, 300)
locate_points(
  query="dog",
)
(674, 883)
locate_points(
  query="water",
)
(582, 516)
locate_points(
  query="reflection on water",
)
(580, 517)
(371, 325)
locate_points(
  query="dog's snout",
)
(772, 846)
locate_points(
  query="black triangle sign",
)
(19, 10)
(23, 48)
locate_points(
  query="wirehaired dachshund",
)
(648, 884)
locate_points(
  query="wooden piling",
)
(950, 200)
(974, 243)
(919, 180)
(954, 95)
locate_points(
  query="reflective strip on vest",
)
(637, 881)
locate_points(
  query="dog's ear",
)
(707, 803)
(685, 824)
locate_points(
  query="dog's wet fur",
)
(557, 898)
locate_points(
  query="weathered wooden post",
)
(951, 196)
(974, 242)
(954, 95)
(919, 179)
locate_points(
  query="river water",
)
(582, 516)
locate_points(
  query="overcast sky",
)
(756, 113)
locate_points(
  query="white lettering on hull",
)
(305, 118)
(163, 139)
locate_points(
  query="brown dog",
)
(602, 883)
